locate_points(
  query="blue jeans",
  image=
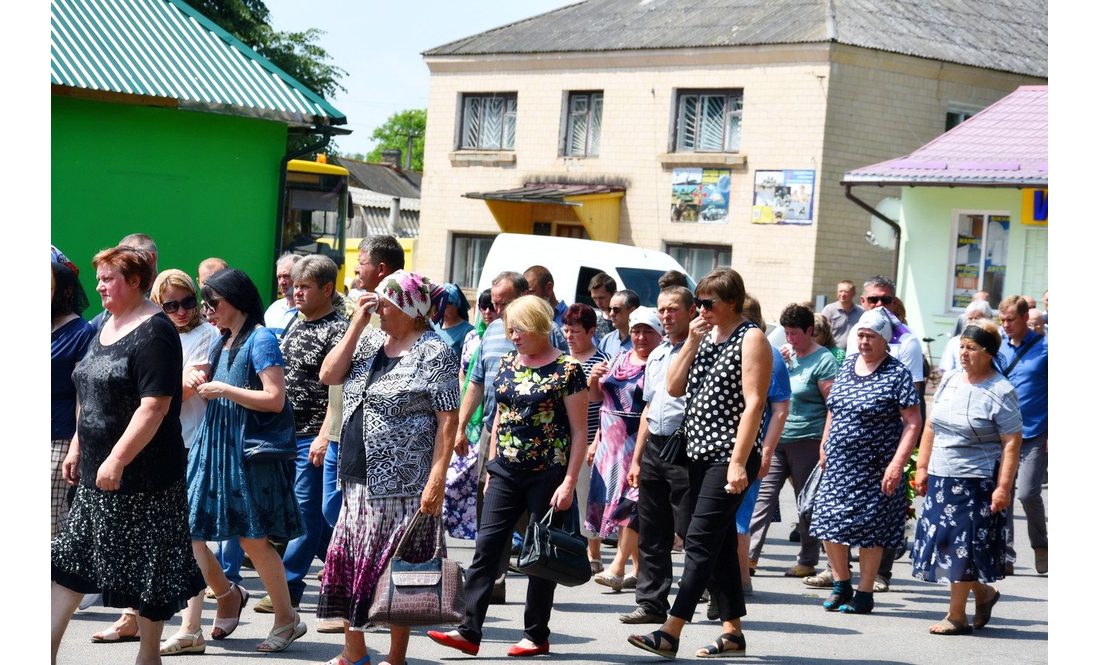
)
(332, 497)
(230, 555)
(300, 551)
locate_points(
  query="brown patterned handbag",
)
(431, 593)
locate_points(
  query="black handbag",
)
(674, 451)
(555, 553)
(431, 593)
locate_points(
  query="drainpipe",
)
(395, 215)
(893, 225)
(326, 136)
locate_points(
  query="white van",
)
(574, 262)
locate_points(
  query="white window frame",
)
(953, 255)
(683, 252)
(592, 116)
(472, 104)
(468, 263)
(691, 101)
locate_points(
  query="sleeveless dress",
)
(611, 501)
(228, 496)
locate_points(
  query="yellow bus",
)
(314, 211)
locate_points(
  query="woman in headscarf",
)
(456, 318)
(400, 412)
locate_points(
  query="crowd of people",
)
(196, 431)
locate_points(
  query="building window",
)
(583, 124)
(708, 121)
(958, 113)
(980, 249)
(698, 260)
(488, 122)
(468, 256)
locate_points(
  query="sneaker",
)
(1040, 560)
(265, 606)
(642, 615)
(882, 584)
(89, 600)
(331, 626)
(822, 580)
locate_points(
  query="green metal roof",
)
(166, 49)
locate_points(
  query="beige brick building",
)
(819, 87)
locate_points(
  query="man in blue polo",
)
(1024, 361)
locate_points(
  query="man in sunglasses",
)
(622, 304)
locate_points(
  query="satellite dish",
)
(881, 233)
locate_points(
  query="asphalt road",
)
(785, 623)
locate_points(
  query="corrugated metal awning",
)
(164, 49)
(596, 207)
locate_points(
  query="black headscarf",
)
(235, 287)
(68, 294)
(987, 341)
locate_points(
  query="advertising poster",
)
(783, 197)
(700, 195)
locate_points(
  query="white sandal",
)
(275, 643)
(172, 646)
(226, 626)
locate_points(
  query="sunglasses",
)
(173, 306)
(874, 300)
(615, 310)
(705, 303)
(211, 304)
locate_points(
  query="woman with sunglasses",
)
(175, 294)
(230, 497)
(724, 369)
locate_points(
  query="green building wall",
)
(200, 184)
(924, 271)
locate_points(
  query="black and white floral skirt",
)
(958, 537)
(135, 549)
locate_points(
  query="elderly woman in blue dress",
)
(870, 431)
(965, 471)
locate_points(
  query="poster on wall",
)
(981, 258)
(783, 197)
(700, 195)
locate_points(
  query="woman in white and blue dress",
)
(965, 471)
(870, 431)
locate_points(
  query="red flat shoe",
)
(448, 640)
(537, 650)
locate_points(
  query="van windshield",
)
(644, 283)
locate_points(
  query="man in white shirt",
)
(282, 311)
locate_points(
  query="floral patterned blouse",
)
(534, 432)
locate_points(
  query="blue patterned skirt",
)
(959, 538)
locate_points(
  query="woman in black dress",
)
(127, 535)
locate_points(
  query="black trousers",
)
(511, 493)
(663, 510)
(710, 548)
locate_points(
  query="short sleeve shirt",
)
(305, 345)
(534, 432)
(111, 382)
(807, 416)
(968, 421)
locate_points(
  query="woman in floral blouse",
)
(538, 444)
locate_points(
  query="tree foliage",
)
(296, 53)
(394, 135)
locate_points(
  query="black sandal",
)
(652, 643)
(719, 648)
